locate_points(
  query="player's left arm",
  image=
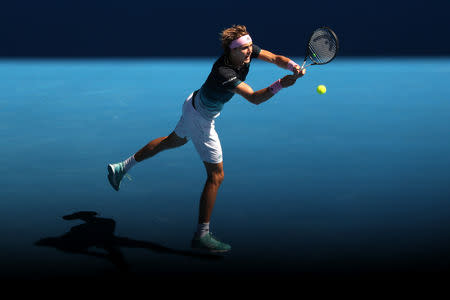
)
(279, 60)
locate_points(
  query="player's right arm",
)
(264, 94)
(279, 60)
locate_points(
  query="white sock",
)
(129, 163)
(202, 229)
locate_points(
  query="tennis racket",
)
(322, 47)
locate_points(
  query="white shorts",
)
(201, 131)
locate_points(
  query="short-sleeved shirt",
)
(218, 87)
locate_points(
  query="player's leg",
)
(207, 144)
(118, 170)
(203, 238)
(158, 145)
(215, 177)
(177, 138)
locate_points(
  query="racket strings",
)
(322, 46)
(314, 54)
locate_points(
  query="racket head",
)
(322, 46)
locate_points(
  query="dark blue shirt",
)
(218, 87)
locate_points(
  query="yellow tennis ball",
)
(321, 89)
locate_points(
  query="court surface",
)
(351, 183)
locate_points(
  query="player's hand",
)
(289, 80)
(296, 70)
(299, 72)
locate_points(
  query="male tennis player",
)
(200, 110)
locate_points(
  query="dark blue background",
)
(190, 28)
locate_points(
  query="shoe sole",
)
(207, 250)
(111, 178)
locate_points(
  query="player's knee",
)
(173, 141)
(216, 177)
(180, 142)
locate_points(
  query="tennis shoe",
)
(210, 243)
(115, 174)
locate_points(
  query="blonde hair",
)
(230, 34)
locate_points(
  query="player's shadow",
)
(99, 233)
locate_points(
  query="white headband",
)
(240, 41)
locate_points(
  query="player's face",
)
(243, 53)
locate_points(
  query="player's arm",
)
(279, 60)
(265, 94)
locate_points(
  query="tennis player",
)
(199, 111)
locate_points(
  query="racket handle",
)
(303, 65)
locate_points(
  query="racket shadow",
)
(99, 233)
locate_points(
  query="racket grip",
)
(275, 87)
(303, 65)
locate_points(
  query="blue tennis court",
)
(355, 181)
